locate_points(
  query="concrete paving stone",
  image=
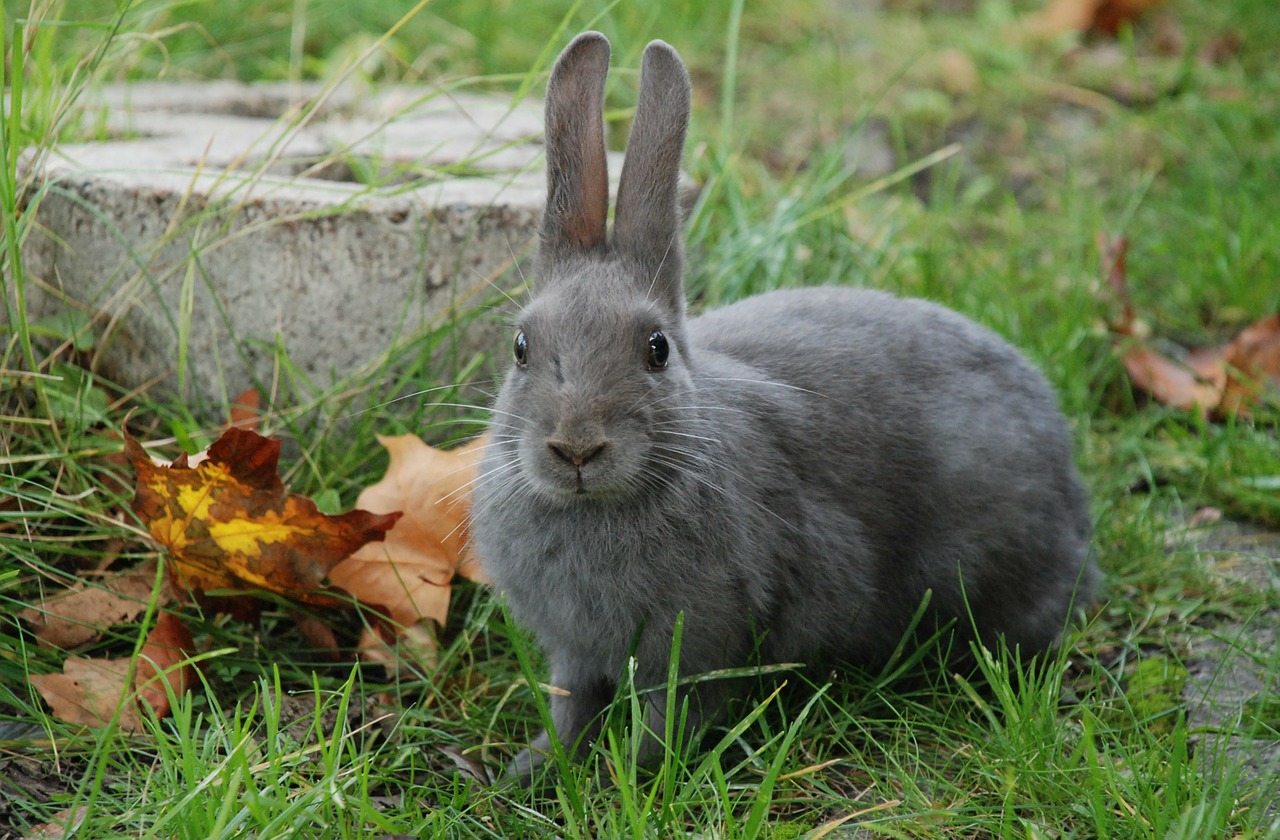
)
(227, 216)
(1234, 669)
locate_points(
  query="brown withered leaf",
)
(1170, 382)
(88, 691)
(1218, 381)
(1110, 15)
(408, 573)
(246, 410)
(66, 820)
(1060, 17)
(163, 659)
(243, 413)
(229, 523)
(79, 615)
(1252, 361)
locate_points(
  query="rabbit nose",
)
(574, 452)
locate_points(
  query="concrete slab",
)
(239, 219)
(1233, 688)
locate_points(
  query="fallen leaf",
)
(66, 820)
(956, 72)
(88, 691)
(468, 767)
(164, 669)
(246, 410)
(1204, 516)
(408, 573)
(1114, 251)
(1216, 381)
(1169, 382)
(1061, 17)
(1222, 48)
(1252, 361)
(229, 523)
(244, 413)
(1111, 15)
(79, 615)
(318, 634)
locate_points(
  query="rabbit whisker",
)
(678, 466)
(480, 408)
(410, 396)
(775, 383)
(657, 272)
(688, 435)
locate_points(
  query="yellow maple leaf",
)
(229, 523)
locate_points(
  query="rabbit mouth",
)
(587, 472)
(574, 483)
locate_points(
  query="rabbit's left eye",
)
(659, 350)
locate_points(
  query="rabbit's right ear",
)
(577, 178)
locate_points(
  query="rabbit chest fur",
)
(793, 473)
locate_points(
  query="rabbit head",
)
(601, 348)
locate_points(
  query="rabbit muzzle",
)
(574, 456)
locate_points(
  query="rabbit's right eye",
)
(659, 350)
(522, 349)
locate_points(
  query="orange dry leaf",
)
(243, 414)
(1060, 17)
(66, 820)
(88, 691)
(408, 573)
(228, 523)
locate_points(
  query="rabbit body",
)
(793, 473)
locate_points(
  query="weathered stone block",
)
(235, 219)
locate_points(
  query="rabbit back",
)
(926, 452)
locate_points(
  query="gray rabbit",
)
(795, 473)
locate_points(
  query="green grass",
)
(1055, 142)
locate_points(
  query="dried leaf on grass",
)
(1060, 17)
(229, 523)
(88, 691)
(1172, 383)
(230, 526)
(408, 573)
(80, 615)
(1252, 361)
(1218, 381)
(63, 822)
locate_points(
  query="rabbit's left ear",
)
(647, 221)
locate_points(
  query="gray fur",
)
(807, 467)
